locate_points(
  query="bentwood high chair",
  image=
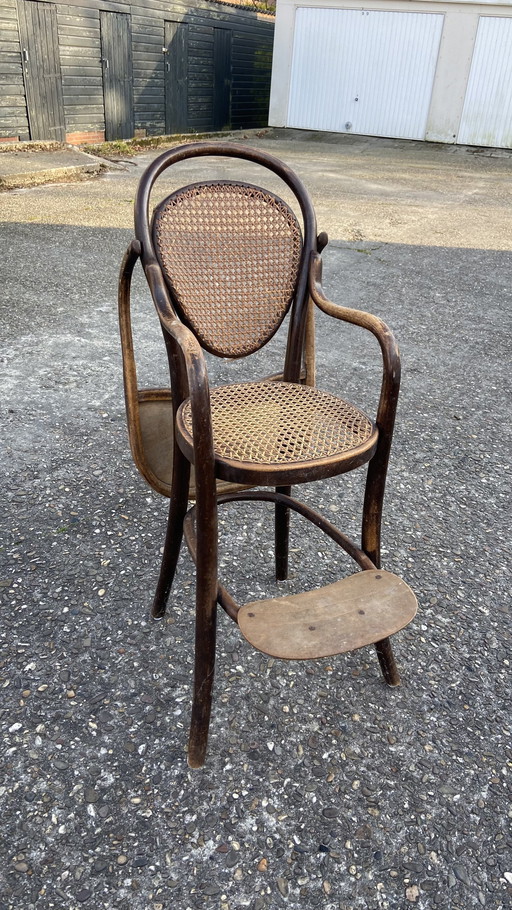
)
(226, 261)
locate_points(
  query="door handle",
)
(25, 55)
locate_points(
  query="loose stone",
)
(460, 873)
(282, 885)
(330, 812)
(211, 889)
(231, 859)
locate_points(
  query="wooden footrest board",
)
(356, 611)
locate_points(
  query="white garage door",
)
(487, 114)
(363, 71)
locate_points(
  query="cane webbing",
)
(230, 253)
(281, 423)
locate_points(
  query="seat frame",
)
(189, 380)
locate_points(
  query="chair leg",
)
(174, 534)
(282, 534)
(387, 662)
(374, 499)
(372, 516)
(206, 617)
(370, 541)
(204, 670)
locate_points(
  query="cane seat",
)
(281, 428)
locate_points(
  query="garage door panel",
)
(487, 113)
(363, 71)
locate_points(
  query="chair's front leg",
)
(387, 662)
(189, 377)
(282, 535)
(206, 625)
(372, 509)
(174, 534)
(204, 671)
(370, 539)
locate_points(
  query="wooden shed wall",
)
(80, 62)
(80, 53)
(13, 109)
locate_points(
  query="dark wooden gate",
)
(116, 60)
(41, 70)
(222, 78)
(176, 77)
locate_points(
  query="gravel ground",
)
(323, 787)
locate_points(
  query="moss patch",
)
(124, 148)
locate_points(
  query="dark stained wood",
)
(41, 69)
(349, 614)
(116, 50)
(80, 53)
(252, 60)
(176, 76)
(221, 78)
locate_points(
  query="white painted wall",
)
(461, 20)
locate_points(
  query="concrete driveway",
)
(322, 787)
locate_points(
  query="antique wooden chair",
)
(225, 262)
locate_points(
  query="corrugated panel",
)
(487, 114)
(363, 71)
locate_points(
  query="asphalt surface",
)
(323, 787)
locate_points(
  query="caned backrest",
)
(231, 254)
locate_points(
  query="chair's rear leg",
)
(282, 534)
(174, 534)
(387, 662)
